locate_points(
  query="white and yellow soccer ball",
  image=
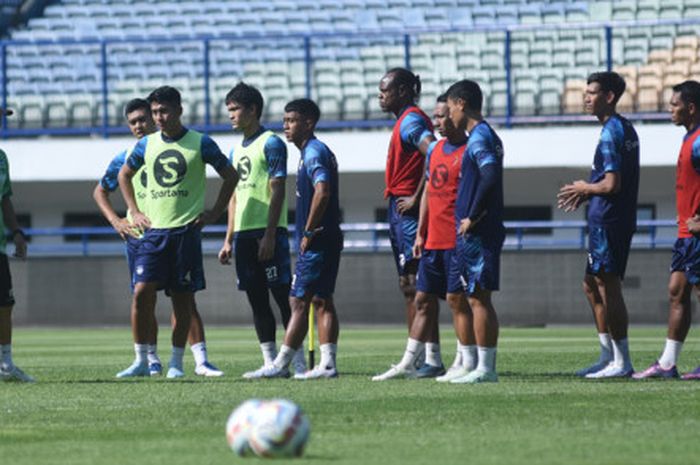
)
(239, 426)
(280, 429)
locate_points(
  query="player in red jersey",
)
(685, 263)
(412, 134)
(434, 245)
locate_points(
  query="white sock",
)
(141, 351)
(670, 355)
(457, 362)
(269, 352)
(621, 353)
(487, 358)
(606, 354)
(469, 356)
(328, 355)
(284, 357)
(432, 354)
(177, 356)
(199, 351)
(6, 354)
(413, 349)
(153, 353)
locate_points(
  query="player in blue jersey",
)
(319, 241)
(8, 370)
(170, 253)
(612, 218)
(140, 122)
(257, 221)
(399, 89)
(479, 223)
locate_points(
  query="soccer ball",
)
(239, 426)
(280, 429)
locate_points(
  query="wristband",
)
(308, 234)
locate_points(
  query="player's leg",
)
(8, 370)
(252, 280)
(182, 310)
(678, 327)
(155, 367)
(610, 288)
(280, 294)
(695, 374)
(424, 328)
(463, 321)
(486, 330)
(143, 304)
(328, 330)
(590, 290)
(198, 345)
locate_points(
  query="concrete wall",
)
(537, 288)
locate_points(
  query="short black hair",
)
(307, 108)
(246, 95)
(165, 94)
(404, 77)
(442, 98)
(136, 104)
(469, 91)
(609, 81)
(689, 92)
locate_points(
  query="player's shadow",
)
(537, 376)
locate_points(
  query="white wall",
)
(75, 159)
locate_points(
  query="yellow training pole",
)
(311, 336)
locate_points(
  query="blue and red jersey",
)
(444, 164)
(405, 163)
(688, 181)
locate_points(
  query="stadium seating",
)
(60, 84)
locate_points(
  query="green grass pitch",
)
(77, 413)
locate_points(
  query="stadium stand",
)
(55, 83)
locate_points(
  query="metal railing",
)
(359, 237)
(207, 124)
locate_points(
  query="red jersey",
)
(688, 181)
(441, 188)
(404, 166)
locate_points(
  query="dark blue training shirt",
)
(110, 180)
(617, 151)
(480, 191)
(318, 164)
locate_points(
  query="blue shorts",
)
(435, 274)
(316, 271)
(132, 247)
(686, 258)
(402, 234)
(252, 273)
(172, 258)
(477, 260)
(608, 250)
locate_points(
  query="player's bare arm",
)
(226, 252)
(266, 249)
(139, 220)
(8, 215)
(230, 176)
(571, 196)
(422, 225)
(319, 202)
(694, 224)
(101, 197)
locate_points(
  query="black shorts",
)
(7, 298)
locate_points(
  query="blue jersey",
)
(318, 164)
(413, 130)
(617, 151)
(275, 154)
(110, 180)
(211, 154)
(484, 151)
